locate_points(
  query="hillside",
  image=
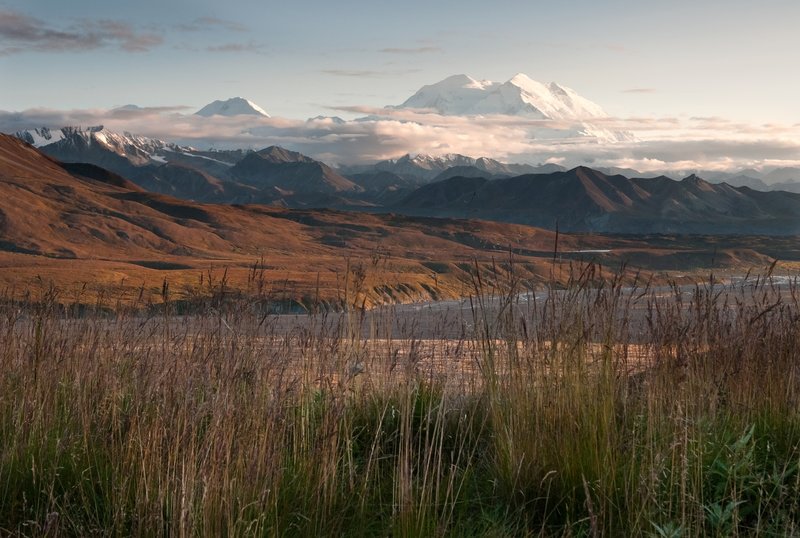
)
(81, 226)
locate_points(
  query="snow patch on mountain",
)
(41, 136)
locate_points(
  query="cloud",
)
(414, 50)
(249, 46)
(671, 145)
(210, 24)
(133, 111)
(215, 21)
(204, 23)
(368, 73)
(22, 33)
(639, 90)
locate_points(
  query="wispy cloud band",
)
(639, 90)
(368, 73)
(664, 144)
(22, 33)
(412, 50)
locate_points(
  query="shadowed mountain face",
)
(290, 173)
(468, 171)
(583, 199)
(188, 183)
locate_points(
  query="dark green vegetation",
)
(597, 411)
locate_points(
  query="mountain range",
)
(449, 185)
(583, 199)
(87, 230)
(424, 168)
(538, 110)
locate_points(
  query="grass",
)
(595, 411)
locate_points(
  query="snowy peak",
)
(332, 120)
(431, 162)
(40, 137)
(465, 81)
(122, 143)
(455, 95)
(81, 144)
(570, 114)
(235, 106)
(427, 167)
(438, 163)
(519, 96)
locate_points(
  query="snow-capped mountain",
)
(520, 96)
(234, 106)
(124, 153)
(41, 136)
(67, 141)
(457, 95)
(335, 120)
(424, 161)
(426, 167)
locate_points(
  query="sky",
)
(731, 62)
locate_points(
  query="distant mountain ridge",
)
(583, 199)
(424, 167)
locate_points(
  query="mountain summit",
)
(572, 114)
(461, 95)
(234, 106)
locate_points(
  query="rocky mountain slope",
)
(583, 199)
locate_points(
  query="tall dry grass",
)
(601, 408)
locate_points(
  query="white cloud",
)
(662, 144)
